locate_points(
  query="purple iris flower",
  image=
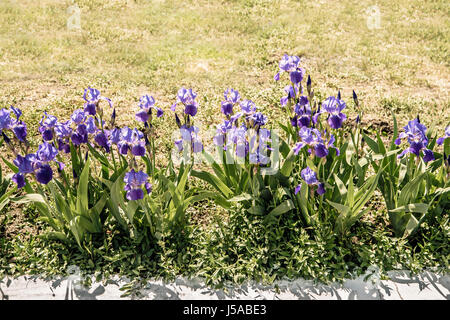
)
(82, 129)
(191, 109)
(297, 76)
(19, 179)
(441, 140)
(227, 108)
(258, 119)
(78, 138)
(147, 103)
(85, 125)
(321, 188)
(20, 131)
(6, 121)
(222, 130)
(114, 136)
(92, 97)
(248, 106)
(190, 134)
(310, 177)
(312, 138)
(415, 132)
(232, 95)
(303, 111)
(63, 146)
(134, 181)
(44, 174)
(32, 163)
(102, 141)
(131, 140)
(26, 164)
(18, 127)
(290, 64)
(78, 116)
(291, 94)
(46, 152)
(47, 125)
(293, 121)
(334, 106)
(91, 128)
(187, 98)
(63, 129)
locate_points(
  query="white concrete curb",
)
(401, 286)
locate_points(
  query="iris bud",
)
(355, 98)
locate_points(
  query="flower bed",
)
(304, 184)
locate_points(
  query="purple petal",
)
(321, 188)
(44, 174)
(321, 150)
(428, 155)
(335, 121)
(142, 116)
(138, 150)
(19, 179)
(135, 194)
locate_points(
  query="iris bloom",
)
(258, 155)
(6, 122)
(37, 164)
(63, 133)
(17, 126)
(334, 106)
(247, 138)
(303, 113)
(291, 93)
(316, 142)
(415, 132)
(290, 64)
(84, 126)
(221, 132)
(134, 182)
(441, 140)
(248, 107)
(131, 140)
(190, 135)
(47, 125)
(92, 97)
(187, 98)
(102, 140)
(257, 120)
(146, 104)
(46, 152)
(310, 177)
